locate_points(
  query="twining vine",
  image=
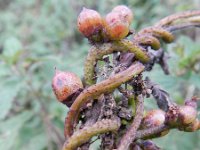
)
(109, 103)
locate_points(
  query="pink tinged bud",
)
(116, 27)
(153, 118)
(89, 22)
(124, 12)
(187, 115)
(64, 84)
(192, 127)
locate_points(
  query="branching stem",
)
(97, 52)
(96, 90)
(131, 133)
(81, 136)
(152, 131)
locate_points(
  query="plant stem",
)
(173, 28)
(148, 132)
(130, 135)
(170, 19)
(148, 40)
(81, 136)
(96, 90)
(97, 52)
(157, 32)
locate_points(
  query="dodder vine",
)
(115, 65)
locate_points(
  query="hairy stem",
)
(152, 131)
(96, 90)
(173, 28)
(131, 133)
(97, 52)
(157, 32)
(81, 136)
(148, 40)
(170, 19)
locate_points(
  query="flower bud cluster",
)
(114, 26)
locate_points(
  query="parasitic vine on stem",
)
(123, 62)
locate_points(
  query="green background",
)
(38, 35)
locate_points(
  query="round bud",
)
(153, 118)
(149, 145)
(186, 115)
(124, 12)
(65, 84)
(135, 147)
(192, 127)
(89, 22)
(116, 27)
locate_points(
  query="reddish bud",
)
(89, 22)
(153, 118)
(65, 84)
(192, 127)
(116, 27)
(186, 115)
(125, 13)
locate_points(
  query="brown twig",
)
(96, 90)
(108, 112)
(170, 19)
(81, 136)
(173, 28)
(152, 131)
(91, 115)
(131, 133)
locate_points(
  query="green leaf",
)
(9, 129)
(12, 49)
(195, 80)
(38, 142)
(4, 69)
(9, 90)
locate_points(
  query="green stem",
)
(158, 32)
(148, 40)
(96, 90)
(81, 136)
(97, 52)
(89, 67)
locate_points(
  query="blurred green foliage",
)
(38, 35)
